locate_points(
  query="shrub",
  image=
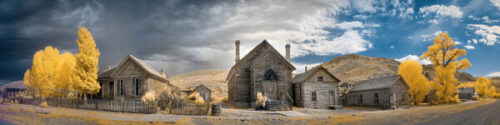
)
(44, 104)
(195, 98)
(475, 97)
(261, 100)
(149, 97)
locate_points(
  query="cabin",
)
(263, 70)
(316, 88)
(131, 79)
(384, 92)
(12, 89)
(204, 92)
(466, 93)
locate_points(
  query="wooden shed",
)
(466, 93)
(384, 92)
(316, 88)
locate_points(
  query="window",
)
(360, 99)
(320, 78)
(120, 84)
(136, 86)
(376, 98)
(270, 75)
(313, 97)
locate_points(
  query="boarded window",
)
(313, 96)
(376, 98)
(270, 75)
(320, 78)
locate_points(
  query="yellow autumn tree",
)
(411, 71)
(87, 60)
(444, 56)
(27, 80)
(65, 69)
(41, 77)
(484, 88)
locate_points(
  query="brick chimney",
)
(287, 46)
(237, 43)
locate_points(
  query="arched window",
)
(270, 75)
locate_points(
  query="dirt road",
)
(484, 115)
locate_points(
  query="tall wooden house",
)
(384, 92)
(131, 79)
(263, 70)
(316, 88)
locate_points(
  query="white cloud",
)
(434, 21)
(458, 43)
(496, 3)
(415, 58)
(470, 47)
(349, 25)
(392, 46)
(490, 34)
(441, 10)
(494, 74)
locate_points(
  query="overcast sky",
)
(182, 36)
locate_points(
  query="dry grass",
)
(213, 79)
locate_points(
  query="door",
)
(270, 89)
(331, 97)
(111, 90)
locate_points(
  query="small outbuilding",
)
(466, 93)
(316, 88)
(204, 92)
(12, 89)
(384, 92)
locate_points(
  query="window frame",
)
(314, 97)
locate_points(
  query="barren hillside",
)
(352, 68)
(496, 82)
(213, 79)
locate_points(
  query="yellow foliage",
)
(41, 78)
(261, 99)
(411, 71)
(64, 82)
(484, 88)
(195, 98)
(444, 56)
(87, 60)
(184, 121)
(149, 97)
(44, 104)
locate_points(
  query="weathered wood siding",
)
(400, 89)
(395, 96)
(106, 90)
(368, 98)
(327, 92)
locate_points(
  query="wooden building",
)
(204, 92)
(466, 93)
(264, 70)
(131, 79)
(316, 88)
(384, 92)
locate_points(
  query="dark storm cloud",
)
(167, 28)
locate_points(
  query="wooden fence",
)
(134, 106)
(181, 107)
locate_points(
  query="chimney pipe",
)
(237, 43)
(306, 68)
(287, 46)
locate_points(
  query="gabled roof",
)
(303, 76)
(15, 85)
(259, 49)
(106, 73)
(148, 69)
(376, 83)
(466, 90)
